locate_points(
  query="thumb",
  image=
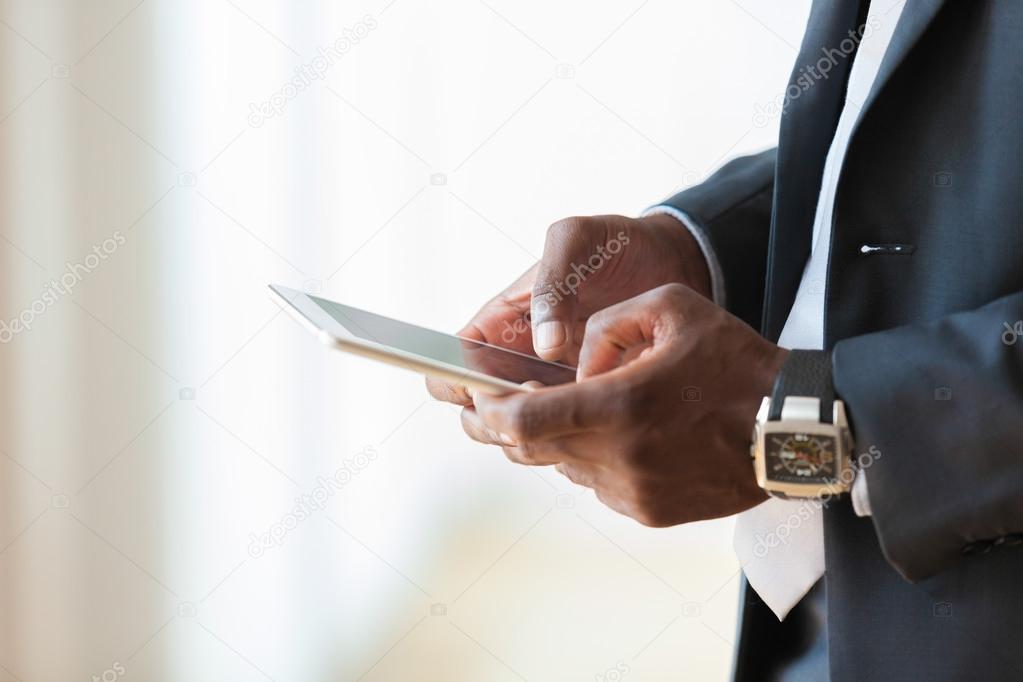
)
(560, 274)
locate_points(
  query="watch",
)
(802, 444)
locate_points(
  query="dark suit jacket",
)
(930, 587)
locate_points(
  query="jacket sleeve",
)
(733, 210)
(942, 403)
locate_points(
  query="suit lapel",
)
(915, 19)
(807, 129)
(813, 104)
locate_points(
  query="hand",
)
(588, 264)
(663, 437)
(591, 263)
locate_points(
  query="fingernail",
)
(549, 335)
(506, 439)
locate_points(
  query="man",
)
(885, 237)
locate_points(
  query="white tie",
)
(780, 543)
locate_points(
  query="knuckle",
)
(526, 453)
(545, 297)
(644, 510)
(603, 498)
(669, 293)
(471, 429)
(607, 500)
(648, 518)
(565, 228)
(569, 472)
(596, 323)
(514, 454)
(529, 454)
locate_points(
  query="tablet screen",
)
(446, 348)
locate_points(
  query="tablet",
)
(474, 364)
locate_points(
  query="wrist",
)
(763, 372)
(693, 264)
(769, 369)
(801, 442)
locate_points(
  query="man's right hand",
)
(588, 264)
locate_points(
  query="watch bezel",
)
(818, 487)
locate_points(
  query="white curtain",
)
(191, 488)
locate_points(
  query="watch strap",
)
(798, 408)
(806, 374)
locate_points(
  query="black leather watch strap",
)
(805, 373)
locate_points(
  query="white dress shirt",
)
(780, 543)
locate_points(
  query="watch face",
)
(801, 457)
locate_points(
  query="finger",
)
(555, 411)
(530, 454)
(561, 272)
(503, 322)
(479, 432)
(580, 474)
(623, 331)
(614, 503)
(445, 391)
(537, 453)
(449, 391)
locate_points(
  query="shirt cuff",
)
(860, 498)
(717, 278)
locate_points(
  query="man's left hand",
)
(659, 422)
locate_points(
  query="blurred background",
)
(191, 487)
